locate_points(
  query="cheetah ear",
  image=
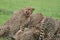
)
(40, 14)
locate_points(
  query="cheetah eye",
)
(0, 29)
(26, 12)
(28, 9)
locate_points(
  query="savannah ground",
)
(49, 8)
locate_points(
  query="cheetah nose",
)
(27, 13)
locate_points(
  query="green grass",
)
(46, 7)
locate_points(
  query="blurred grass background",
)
(46, 7)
